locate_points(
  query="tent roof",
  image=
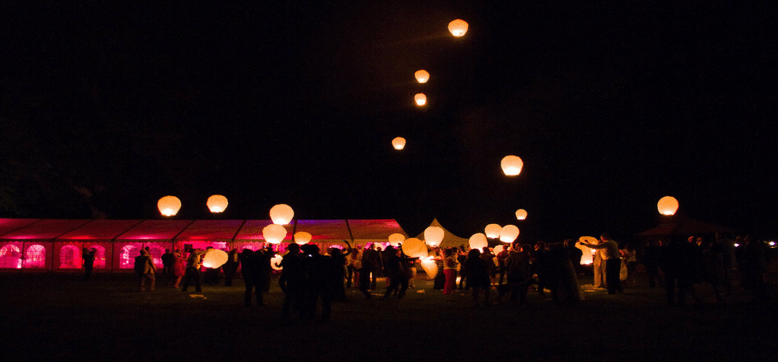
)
(374, 229)
(155, 230)
(685, 227)
(212, 230)
(449, 239)
(47, 229)
(8, 225)
(252, 230)
(100, 230)
(325, 229)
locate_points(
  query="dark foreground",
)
(60, 317)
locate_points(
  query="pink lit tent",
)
(326, 233)
(250, 235)
(373, 231)
(204, 233)
(157, 235)
(33, 246)
(98, 235)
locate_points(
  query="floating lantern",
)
(511, 165)
(493, 231)
(169, 205)
(498, 249)
(415, 248)
(395, 239)
(302, 238)
(420, 99)
(281, 214)
(667, 205)
(458, 28)
(422, 76)
(274, 233)
(509, 233)
(478, 241)
(214, 258)
(216, 203)
(521, 214)
(398, 143)
(430, 267)
(433, 235)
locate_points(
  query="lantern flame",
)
(458, 28)
(420, 99)
(217, 203)
(511, 165)
(422, 76)
(169, 205)
(521, 214)
(667, 205)
(398, 143)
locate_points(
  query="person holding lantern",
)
(478, 278)
(179, 267)
(145, 270)
(193, 270)
(612, 262)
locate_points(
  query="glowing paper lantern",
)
(415, 248)
(433, 235)
(395, 239)
(511, 165)
(521, 214)
(458, 28)
(588, 253)
(493, 231)
(667, 205)
(169, 205)
(281, 214)
(430, 267)
(274, 233)
(509, 233)
(420, 99)
(498, 249)
(216, 203)
(398, 143)
(422, 76)
(214, 258)
(478, 241)
(302, 238)
(275, 262)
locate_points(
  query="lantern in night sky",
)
(281, 214)
(433, 235)
(511, 165)
(420, 99)
(302, 238)
(458, 28)
(274, 233)
(493, 231)
(521, 214)
(509, 233)
(216, 203)
(398, 143)
(169, 205)
(214, 258)
(478, 241)
(396, 238)
(422, 76)
(667, 205)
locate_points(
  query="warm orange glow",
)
(302, 238)
(458, 28)
(216, 203)
(588, 253)
(493, 231)
(396, 238)
(521, 214)
(511, 165)
(169, 205)
(214, 258)
(398, 143)
(422, 76)
(433, 235)
(274, 233)
(281, 214)
(478, 241)
(667, 205)
(509, 233)
(275, 262)
(420, 99)
(414, 248)
(430, 267)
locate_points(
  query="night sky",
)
(107, 107)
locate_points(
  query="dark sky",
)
(107, 107)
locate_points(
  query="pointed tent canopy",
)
(684, 227)
(449, 239)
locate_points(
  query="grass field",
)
(59, 317)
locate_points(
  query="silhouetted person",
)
(291, 280)
(574, 254)
(517, 270)
(193, 271)
(478, 278)
(89, 262)
(371, 267)
(256, 274)
(211, 274)
(145, 270)
(231, 267)
(317, 282)
(167, 263)
(395, 272)
(338, 273)
(612, 262)
(651, 260)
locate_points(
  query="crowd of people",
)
(310, 278)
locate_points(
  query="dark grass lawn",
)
(62, 318)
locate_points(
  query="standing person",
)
(89, 261)
(574, 254)
(338, 273)
(651, 260)
(145, 270)
(211, 274)
(317, 270)
(371, 266)
(179, 267)
(450, 264)
(631, 259)
(488, 256)
(598, 263)
(395, 272)
(291, 280)
(612, 262)
(167, 264)
(193, 271)
(501, 256)
(518, 273)
(478, 278)
(461, 257)
(231, 267)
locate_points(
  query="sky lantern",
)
(422, 76)
(521, 214)
(458, 28)
(667, 205)
(433, 235)
(398, 143)
(498, 249)
(430, 267)
(493, 231)
(216, 203)
(511, 165)
(281, 214)
(420, 99)
(509, 233)
(478, 241)
(302, 238)
(588, 253)
(214, 258)
(169, 205)
(415, 248)
(396, 238)
(274, 233)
